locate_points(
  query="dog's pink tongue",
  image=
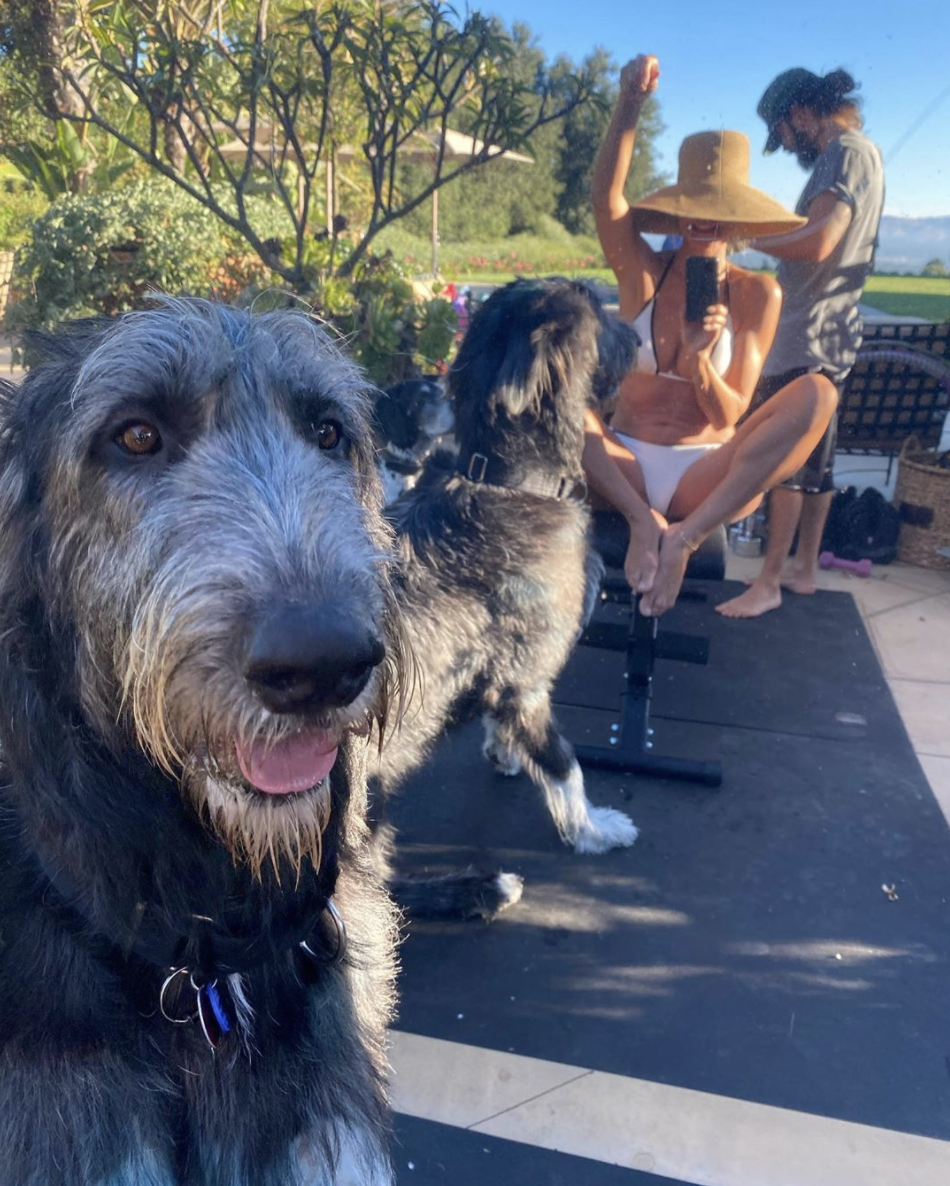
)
(294, 764)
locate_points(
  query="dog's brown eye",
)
(329, 434)
(139, 439)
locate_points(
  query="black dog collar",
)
(488, 470)
(187, 996)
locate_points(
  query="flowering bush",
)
(104, 253)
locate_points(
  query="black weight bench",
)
(629, 746)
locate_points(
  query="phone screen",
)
(702, 286)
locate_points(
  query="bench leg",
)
(630, 747)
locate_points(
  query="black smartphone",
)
(702, 286)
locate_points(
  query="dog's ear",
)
(392, 423)
(539, 367)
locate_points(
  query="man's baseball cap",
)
(793, 87)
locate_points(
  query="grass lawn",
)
(910, 296)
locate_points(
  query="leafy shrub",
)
(394, 329)
(104, 253)
(546, 226)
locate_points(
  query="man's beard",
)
(805, 150)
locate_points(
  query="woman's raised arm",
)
(627, 253)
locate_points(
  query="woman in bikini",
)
(675, 461)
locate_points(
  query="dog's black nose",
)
(310, 657)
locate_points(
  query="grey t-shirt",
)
(820, 326)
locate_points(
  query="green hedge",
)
(103, 253)
(556, 251)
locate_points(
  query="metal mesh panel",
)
(899, 387)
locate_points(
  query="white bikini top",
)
(720, 357)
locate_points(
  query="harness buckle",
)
(477, 467)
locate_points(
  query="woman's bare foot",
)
(758, 599)
(674, 556)
(643, 552)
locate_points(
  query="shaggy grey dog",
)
(494, 560)
(197, 635)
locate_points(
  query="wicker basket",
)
(922, 497)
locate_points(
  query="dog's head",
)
(411, 416)
(537, 354)
(194, 563)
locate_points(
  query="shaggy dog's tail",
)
(458, 895)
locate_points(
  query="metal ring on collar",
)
(166, 984)
(341, 941)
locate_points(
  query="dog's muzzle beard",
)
(250, 721)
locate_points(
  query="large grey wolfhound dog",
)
(494, 561)
(197, 635)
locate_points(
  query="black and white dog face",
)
(197, 631)
(409, 421)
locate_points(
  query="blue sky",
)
(717, 58)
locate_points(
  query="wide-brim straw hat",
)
(713, 186)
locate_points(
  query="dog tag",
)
(212, 1014)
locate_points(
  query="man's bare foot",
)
(757, 600)
(674, 556)
(643, 552)
(792, 579)
(798, 581)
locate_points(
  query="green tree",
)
(507, 196)
(935, 267)
(267, 95)
(583, 129)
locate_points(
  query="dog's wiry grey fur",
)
(494, 575)
(134, 587)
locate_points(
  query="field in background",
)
(910, 296)
(536, 255)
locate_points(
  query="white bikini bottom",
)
(663, 466)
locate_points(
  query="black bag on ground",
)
(862, 526)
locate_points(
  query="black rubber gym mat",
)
(746, 944)
(429, 1154)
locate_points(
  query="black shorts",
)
(816, 475)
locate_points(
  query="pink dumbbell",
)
(861, 568)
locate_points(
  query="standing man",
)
(822, 271)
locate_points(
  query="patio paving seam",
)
(876, 613)
(585, 1074)
(910, 679)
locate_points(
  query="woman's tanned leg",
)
(615, 475)
(771, 445)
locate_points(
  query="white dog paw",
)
(510, 887)
(607, 829)
(503, 760)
